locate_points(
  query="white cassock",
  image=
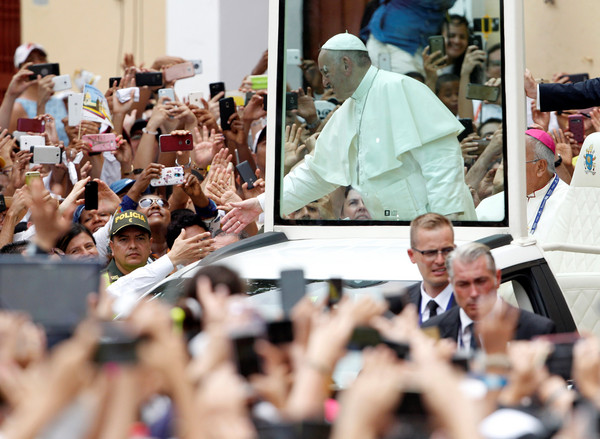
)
(395, 142)
(550, 211)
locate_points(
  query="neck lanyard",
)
(541, 208)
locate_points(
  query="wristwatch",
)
(558, 162)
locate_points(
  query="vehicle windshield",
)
(358, 146)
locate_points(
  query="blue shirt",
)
(408, 23)
(54, 107)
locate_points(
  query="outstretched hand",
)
(242, 214)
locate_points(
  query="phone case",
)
(246, 173)
(168, 92)
(576, 127)
(149, 78)
(30, 125)
(197, 63)
(195, 98)
(169, 143)
(436, 42)
(216, 88)
(75, 108)
(46, 155)
(28, 141)
(62, 82)
(113, 79)
(101, 142)
(44, 70)
(226, 109)
(179, 71)
(169, 177)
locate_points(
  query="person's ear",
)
(411, 255)
(541, 167)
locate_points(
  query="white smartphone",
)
(62, 82)
(195, 98)
(46, 155)
(28, 141)
(75, 109)
(385, 62)
(167, 92)
(293, 57)
(124, 94)
(197, 66)
(169, 177)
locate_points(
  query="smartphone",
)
(216, 88)
(30, 125)
(335, 291)
(46, 155)
(481, 145)
(90, 195)
(2, 203)
(280, 332)
(483, 92)
(195, 98)
(577, 77)
(44, 70)
(169, 143)
(291, 101)
(62, 82)
(247, 174)
(114, 79)
(117, 344)
(226, 109)
(168, 92)
(27, 142)
(293, 57)
(437, 43)
(560, 361)
(576, 127)
(169, 177)
(468, 124)
(265, 102)
(124, 94)
(75, 104)
(477, 40)
(179, 71)
(412, 404)
(101, 142)
(364, 336)
(397, 302)
(384, 61)
(246, 358)
(197, 64)
(152, 79)
(293, 289)
(258, 82)
(31, 175)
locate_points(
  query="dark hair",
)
(181, 219)
(459, 20)
(76, 229)
(218, 275)
(14, 248)
(416, 75)
(442, 79)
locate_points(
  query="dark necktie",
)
(471, 330)
(432, 306)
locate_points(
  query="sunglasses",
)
(147, 202)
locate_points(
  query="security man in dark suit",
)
(474, 278)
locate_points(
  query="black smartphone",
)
(412, 404)
(91, 195)
(364, 336)
(265, 102)
(335, 291)
(397, 302)
(151, 79)
(44, 70)
(247, 360)
(111, 81)
(117, 344)
(2, 203)
(226, 109)
(436, 42)
(477, 40)
(483, 92)
(216, 88)
(247, 174)
(468, 124)
(280, 332)
(291, 101)
(293, 289)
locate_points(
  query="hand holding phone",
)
(247, 174)
(226, 109)
(169, 177)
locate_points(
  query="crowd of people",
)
(451, 358)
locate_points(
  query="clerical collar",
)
(542, 191)
(363, 88)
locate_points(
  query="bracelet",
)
(313, 125)
(493, 381)
(496, 360)
(130, 171)
(145, 131)
(137, 171)
(558, 162)
(318, 367)
(189, 163)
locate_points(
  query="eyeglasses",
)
(432, 254)
(147, 202)
(533, 161)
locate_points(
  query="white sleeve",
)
(539, 98)
(101, 238)
(128, 289)
(302, 186)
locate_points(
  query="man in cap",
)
(392, 140)
(545, 190)
(132, 272)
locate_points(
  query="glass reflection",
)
(426, 140)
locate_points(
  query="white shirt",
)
(464, 336)
(395, 142)
(442, 300)
(551, 209)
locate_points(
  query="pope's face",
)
(335, 75)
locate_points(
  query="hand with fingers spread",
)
(293, 151)
(306, 107)
(254, 109)
(241, 215)
(563, 147)
(208, 146)
(188, 250)
(222, 193)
